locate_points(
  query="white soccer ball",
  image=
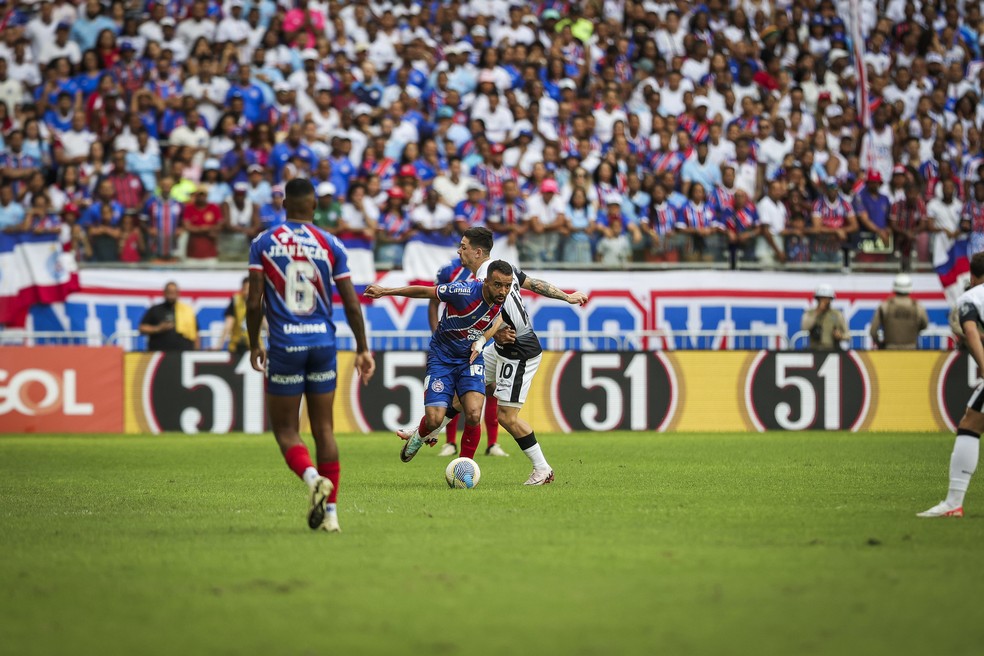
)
(462, 473)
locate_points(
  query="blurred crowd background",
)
(601, 131)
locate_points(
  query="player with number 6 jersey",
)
(291, 270)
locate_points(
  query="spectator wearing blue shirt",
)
(342, 168)
(291, 147)
(259, 191)
(59, 117)
(11, 212)
(873, 207)
(91, 21)
(105, 195)
(254, 102)
(273, 213)
(700, 168)
(15, 163)
(143, 162)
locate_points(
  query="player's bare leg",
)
(432, 422)
(321, 412)
(963, 463)
(472, 404)
(523, 433)
(285, 421)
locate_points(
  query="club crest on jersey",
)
(437, 385)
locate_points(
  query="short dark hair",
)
(504, 267)
(976, 265)
(480, 237)
(298, 188)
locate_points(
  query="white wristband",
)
(481, 343)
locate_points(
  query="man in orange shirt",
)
(203, 222)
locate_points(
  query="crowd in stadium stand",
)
(594, 131)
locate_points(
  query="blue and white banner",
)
(425, 254)
(33, 269)
(700, 308)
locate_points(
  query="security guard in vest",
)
(234, 331)
(899, 319)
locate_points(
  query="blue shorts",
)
(445, 379)
(311, 371)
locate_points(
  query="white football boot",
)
(540, 477)
(319, 495)
(448, 450)
(943, 509)
(496, 450)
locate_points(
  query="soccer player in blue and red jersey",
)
(291, 268)
(452, 272)
(455, 365)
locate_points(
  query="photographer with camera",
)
(826, 325)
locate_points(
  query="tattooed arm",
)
(544, 288)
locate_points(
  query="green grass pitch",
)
(646, 544)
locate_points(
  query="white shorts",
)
(510, 378)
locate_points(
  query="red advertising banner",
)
(61, 389)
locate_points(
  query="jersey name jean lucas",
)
(299, 261)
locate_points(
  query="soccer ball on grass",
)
(462, 473)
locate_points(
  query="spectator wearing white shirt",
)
(41, 29)
(548, 224)
(196, 26)
(11, 91)
(747, 174)
(773, 216)
(607, 115)
(773, 145)
(498, 119)
(75, 144)
(59, 46)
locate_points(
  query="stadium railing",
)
(932, 339)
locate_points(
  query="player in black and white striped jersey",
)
(966, 448)
(512, 361)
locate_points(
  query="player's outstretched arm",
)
(413, 291)
(364, 362)
(544, 288)
(254, 318)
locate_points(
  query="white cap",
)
(701, 101)
(567, 83)
(613, 198)
(326, 189)
(835, 54)
(903, 284)
(824, 291)
(834, 110)
(309, 53)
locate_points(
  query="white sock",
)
(331, 508)
(535, 454)
(310, 476)
(963, 462)
(433, 434)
